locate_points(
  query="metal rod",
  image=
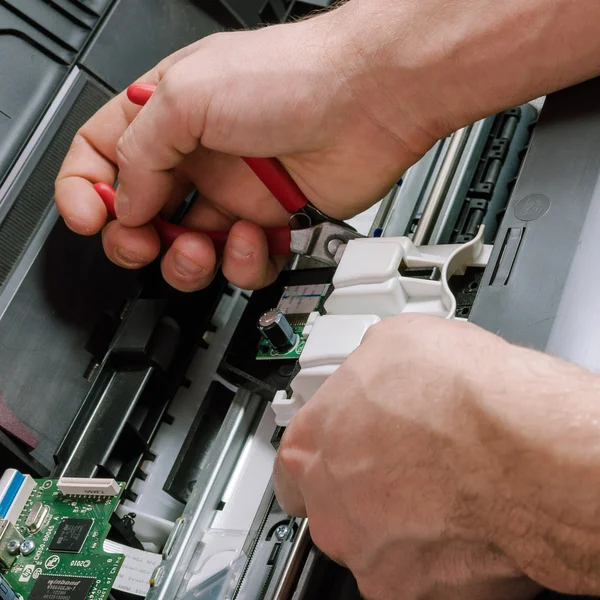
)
(441, 186)
(291, 571)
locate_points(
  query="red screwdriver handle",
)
(269, 170)
(278, 238)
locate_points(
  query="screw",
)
(13, 547)
(281, 532)
(333, 245)
(27, 547)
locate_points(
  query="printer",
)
(138, 424)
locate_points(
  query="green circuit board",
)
(267, 352)
(296, 303)
(68, 562)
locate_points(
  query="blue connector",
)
(15, 489)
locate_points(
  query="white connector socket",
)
(368, 278)
(81, 486)
(332, 339)
(369, 286)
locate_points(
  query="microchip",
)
(70, 535)
(61, 587)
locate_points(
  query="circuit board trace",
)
(68, 548)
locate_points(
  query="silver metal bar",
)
(201, 507)
(291, 571)
(442, 185)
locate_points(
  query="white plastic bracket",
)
(332, 339)
(368, 286)
(368, 278)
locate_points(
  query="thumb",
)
(156, 142)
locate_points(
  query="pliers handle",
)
(278, 238)
(315, 234)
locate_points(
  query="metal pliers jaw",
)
(317, 236)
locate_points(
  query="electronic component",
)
(81, 486)
(61, 587)
(6, 592)
(36, 517)
(275, 328)
(302, 299)
(13, 547)
(298, 305)
(137, 569)
(15, 489)
(28, 547)
(9, 536)
(66, 548)
(70, 535)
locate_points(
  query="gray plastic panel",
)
(140, 33)
(550, 205)
(60, 295)
(55, 24)
(29, 80)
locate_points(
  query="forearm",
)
(447, 64)
(540, 427)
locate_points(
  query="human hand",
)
(439, 462)
(276, 92)
(346, 100)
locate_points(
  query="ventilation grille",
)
(35, 199)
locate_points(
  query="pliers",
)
(310, 233)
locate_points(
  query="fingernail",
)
(240, 248)
(126, 257)
(122, 205)
(186, 266)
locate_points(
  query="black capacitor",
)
(276, 329)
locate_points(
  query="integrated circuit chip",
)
(70, 535)
(61, 587)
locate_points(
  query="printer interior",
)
(161, 412)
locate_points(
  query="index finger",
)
(91, 159)
(92, 156)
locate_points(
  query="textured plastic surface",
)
(53, 22)
(10, 423)
(550, 204)
(140, 33)
(29, 79)
(43, 331)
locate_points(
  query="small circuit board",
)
(296, 303)
(62, 556)
(267, 352)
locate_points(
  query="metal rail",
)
(441, 186)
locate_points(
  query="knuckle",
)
(326, 542)
(123, 149)
(290, 460)
(173, 83)
(216, 40)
